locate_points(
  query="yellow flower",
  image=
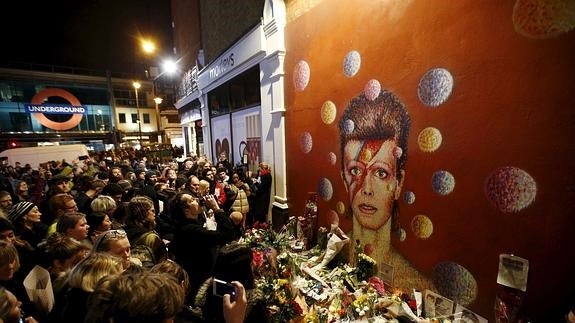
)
(281, 298)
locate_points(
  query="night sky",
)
(92, 34)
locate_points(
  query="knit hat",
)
(18, 210)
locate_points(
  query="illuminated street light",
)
(169, 67)
(148, 46)
(137, 85)
(158, 101)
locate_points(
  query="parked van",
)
(39, 155)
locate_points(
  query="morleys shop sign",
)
(39, 109)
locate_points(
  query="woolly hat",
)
(18, 210)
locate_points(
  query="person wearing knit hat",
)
(19, 210)
(27, 219)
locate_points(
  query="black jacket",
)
(195, 248)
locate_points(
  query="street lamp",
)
(158, 101)
(137, 85)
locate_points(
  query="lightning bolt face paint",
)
(370, 176)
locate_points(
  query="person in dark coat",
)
(195, 247)
(262, 197)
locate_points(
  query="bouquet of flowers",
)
(262, 236)
(279, 296)
(366, 266)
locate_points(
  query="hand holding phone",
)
(235, 309)
(220, 288)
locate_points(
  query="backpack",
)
(143, 252)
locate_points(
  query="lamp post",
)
(158, 101)
(137, 85)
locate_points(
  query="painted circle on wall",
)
(41, 96)
(331, 158)
(543, 19)
(455, 282)
(325, 189)
(348, 126)
(340, 207)
(409, 197)
(351, 63)
(443, 182)
(429, 139)
(421, 226)
(372, 89)
(435, 87)
(510, 189)
(328, 112)
(402, 235)
(306, 142)
(301, 75)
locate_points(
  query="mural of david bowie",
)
(373, 146)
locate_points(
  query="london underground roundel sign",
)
(45, 121)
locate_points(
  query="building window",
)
(241, 92)
(146, 118)
(122, 117)
(134, 118)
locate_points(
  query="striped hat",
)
(18, 210)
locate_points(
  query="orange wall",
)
(512, 104)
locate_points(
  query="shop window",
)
(146, 117)
(122, 118)
(239, 93)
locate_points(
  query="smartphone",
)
(220, 288)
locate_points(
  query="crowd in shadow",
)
(124, 238)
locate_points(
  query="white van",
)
(39, 155)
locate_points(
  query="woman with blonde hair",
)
(116, 243)
(81, 283)
(10, 308)
(9, 266)
(106, 204)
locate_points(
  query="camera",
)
(220, 288)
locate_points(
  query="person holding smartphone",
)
(195, 245)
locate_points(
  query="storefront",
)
(240, 101)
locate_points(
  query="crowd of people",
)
(125, 239)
